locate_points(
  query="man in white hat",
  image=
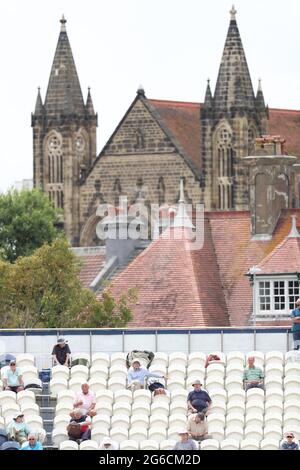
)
(136, 376)
(185, 443)
(108, 444)
(61, 352)
(17, 429)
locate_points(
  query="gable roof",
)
(92, 261)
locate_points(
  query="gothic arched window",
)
(161, 191)
(139, 139)
(225, 168)
(55, 169)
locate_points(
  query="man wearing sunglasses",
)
(288, 443)
(12, 378)
(32, 443)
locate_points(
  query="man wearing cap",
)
(32, 443)
(185, 443)
(289, 442)
(108, 444)
(17, 429)
(12, 378)
(136, 377)
(198, 400)
(61, 352)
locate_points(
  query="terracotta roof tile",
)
(91, 266)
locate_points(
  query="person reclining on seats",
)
(136, 377)
(79, 427)
(85, 400)
(17, 430)
(253, 376)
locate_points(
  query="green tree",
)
(27, 221)
(44, 291)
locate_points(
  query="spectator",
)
(197, 427)
(79, 427)
(289, 442)
(253, 376)
(211, 358)
(61, 352)
(136, 377)
(17, 430)
(108, 444)
(85, 400)
(12, 378)
(32, 443)
(295, 314)
(185, 443)
(198, 400)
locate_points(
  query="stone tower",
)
(230, 122)
(64, 136)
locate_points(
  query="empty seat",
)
(197, 358)
(237, 395)
(119, 434)
(291, 381)
(120, 420)
(179, 394)
(160, 357)
(98, 370)
(118, 358)
(100, 359)
(124, 396)
(274, 393)
(159, 368)
(273, 381)
(255, 406)
(269, 444)
(178, 406)
(195, 370)
(157, 434)
(235, 418)
(58, 385)
(216, 370)
(104, 408)
(138, 434)
(116, 382)
(291, 419)
(272, 432)
(25, 359)
(274, 369)
(63, 408)
(97, 384)
(159, 407)
(159, 421)
(61, 421)
(172, 433)
(89, 445)
(216, 431)
(143, 396)
(236, 358)
(30, 409)
(229, 444)
(80, 372)
(178, 358)
(213, 382)
(292, 393)
(7, 397)
(129, 444)
(9, 409)
(235, 405)
(143, 408)
(254, 418)
(149, 445)
(101, 420)
(249, 444)
(235, 432)
(217, 419)
(167, 444)
(25, 397)
(122, 407)
(59, 435)
(176, 371)
(178, 420)
(233, 382)
(235, 369)
(60, 372)
(218, 407)
(175, 383)
(142, 420)
(274, 357)
(210, 444)
(99, 433)
(34, 421)
(104, 396)
(117, 370)
(292, 368)
(273, 405)
(76, 382)
(273, 418)
(68, 445)
(29, 373)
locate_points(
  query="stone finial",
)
(232, 13)
(140, 90)
(259, 85)
(63, 24)
(181, 191)
(182, 219)
(294, 232)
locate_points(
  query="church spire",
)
(234, 88)
(64, 94)
(89, 104)
(208, 100)
(39, 108)
(260, 101)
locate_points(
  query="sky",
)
(170, 47)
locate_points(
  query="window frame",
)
(272, 280)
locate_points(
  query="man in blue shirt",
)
(198, 400)
(296, 325)
(32, 443)
(136, 377)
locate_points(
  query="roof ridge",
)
(177, 103)
(277, 248)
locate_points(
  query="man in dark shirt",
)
(198, 400)
(61, 352)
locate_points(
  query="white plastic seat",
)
(213, 382)
(259, 358)
(59, 435)
(159, 407)
(178, 358)
(58, 385)
(178, 407)
(216, 419)
(167, 444)
(30, 409)
(273, 418)
(295, 430)
(25, 397)
(99, 433)
(104, 396)
(141, 420)
(291, 418)
(179, 394)
(269, 444)
(117, 370)
(101, 420)
(68, 445)
(291, 393)
(137, 433)
(29, 373)
(104, 408)
(272, 432)
(98, 370)
(97, 384)
(122, 407)
(274, 393)
(119, 434)
(116, 382)
(61, 421)
(236, 358)
(216, 431)
(175, 383)
(273, 381)
(229, 444)
(253, 431)
(159, 421)
(84, 356)
(63, 408)
(149, 445)
(254, 419)
(233, 382)
(176, 371)
(34, 421)
(159, 368)
(25, 359)
(218, 408)
(255, 394)
(249, 444)
(129, 444)
(161, 357)
(273, 405)
(141, 408)
(210, 444)
(60, 372)
(100, 359)
(255, 406)
(238, 394)
(235, 418)
(9, 409)
(218, 395)
(198, 358)
(118, 358)
(157, 434)
(291, 381)
(143, 396)
(235, 432)
(75, 383)
(291, 356)
(124, 396)
(274, 357)
(172, 433)
(215, 369)
(178, 420)
(235, 405)
(89, 445)
(195, 369)
(80, 372)
(274, 369)
(7, 397)
(120, 420)
(292, 368)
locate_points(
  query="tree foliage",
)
(44, 291)
(27, 221)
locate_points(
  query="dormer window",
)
(276, 297)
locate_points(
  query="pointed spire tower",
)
(64, 133)
(231, 119)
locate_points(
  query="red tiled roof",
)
(173, 286)
(285, 258)
(183, 120)
(91, 266)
